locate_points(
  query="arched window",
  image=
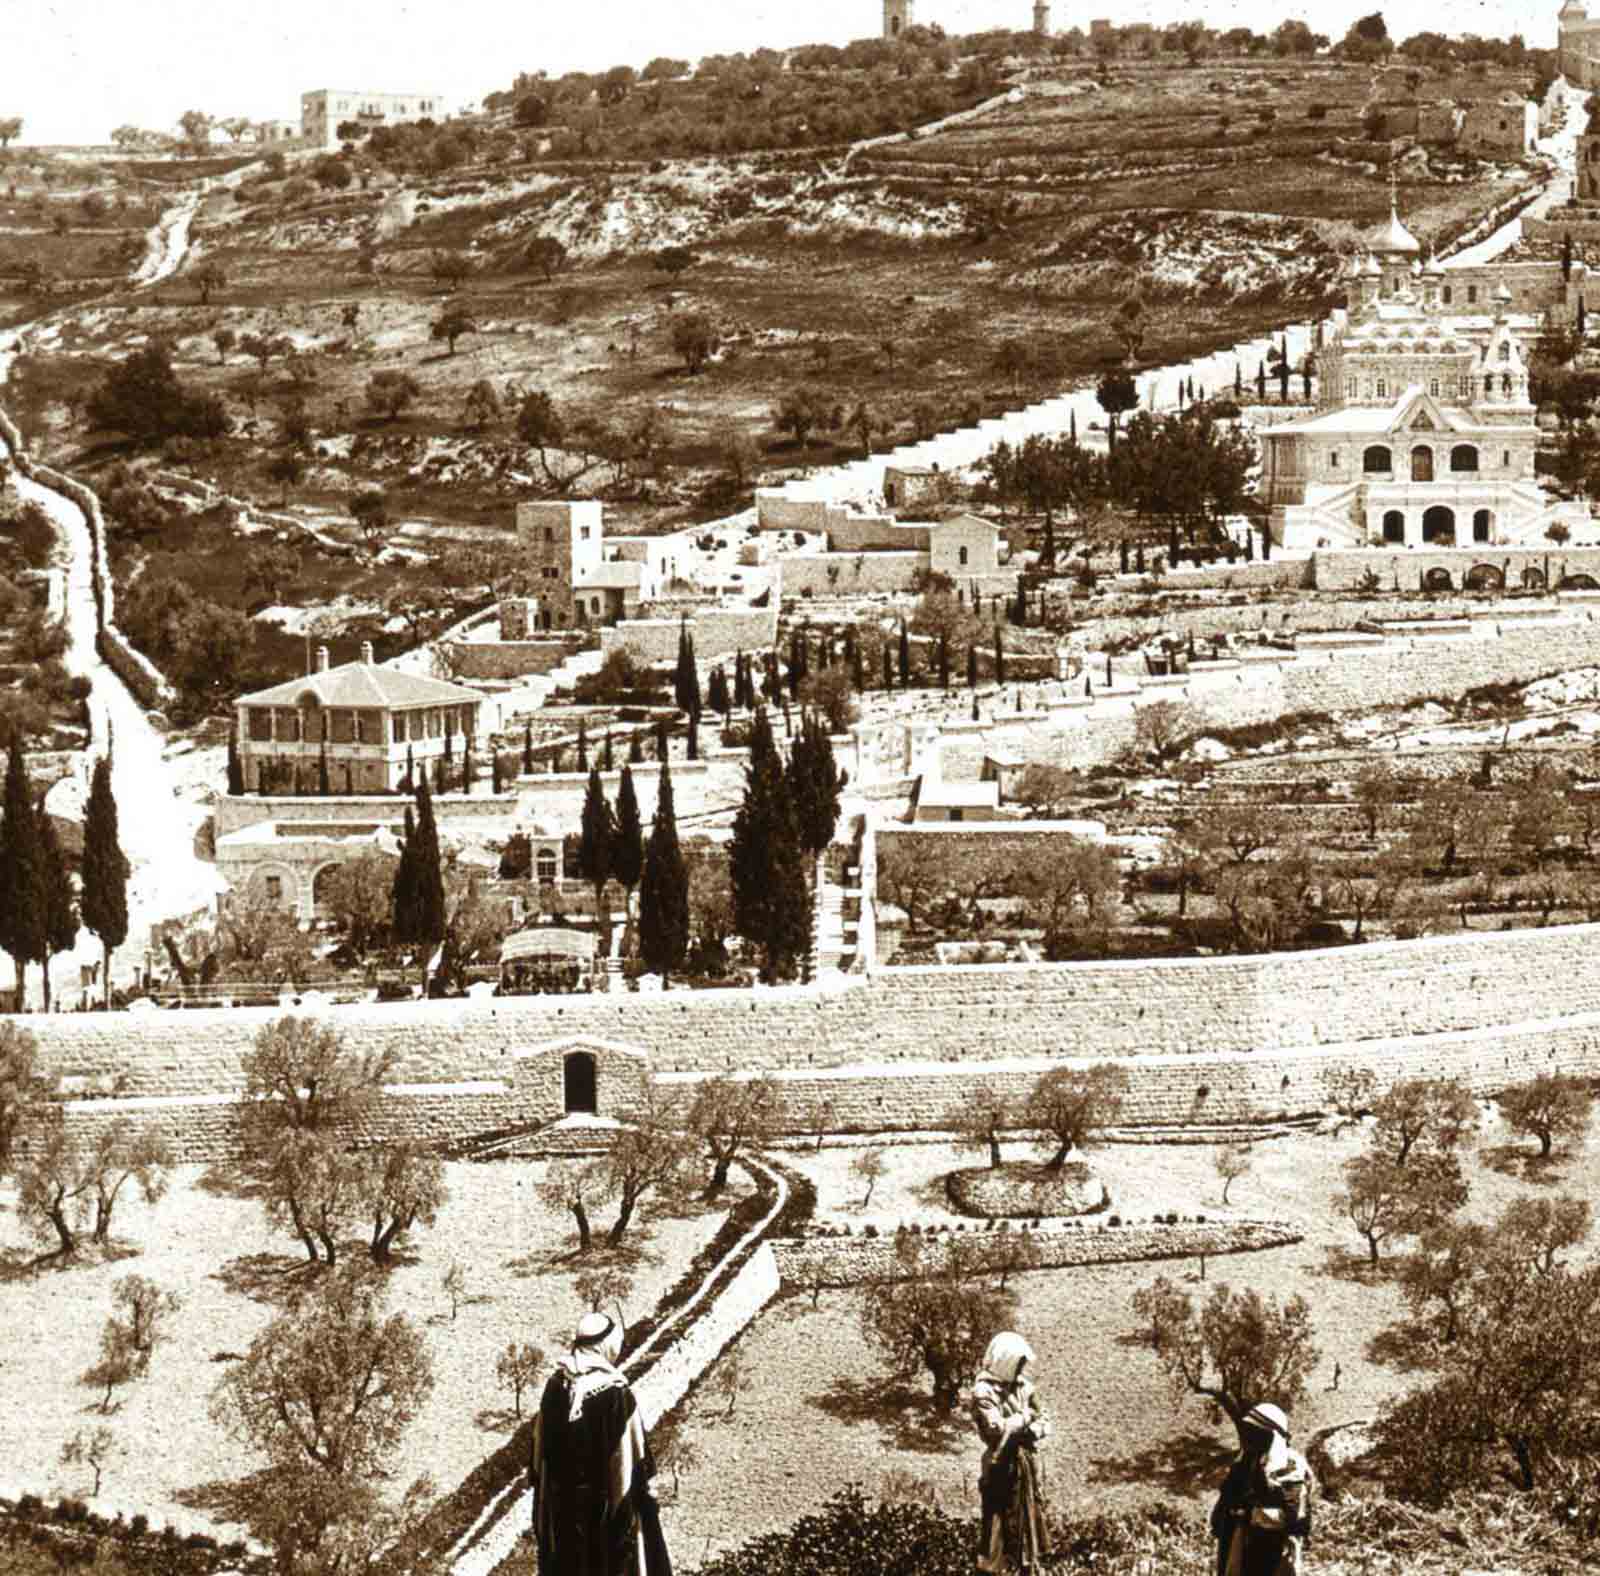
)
(1394, 526)
(1377, 459)
(1505, 351)
(1482, 523)
(1448, 294)
(1488, 385)
(1433, 387)
(1505, 382)
(1422, 463)
(1383, 388)
(962, 553)
(1464, 458)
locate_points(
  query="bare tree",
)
(868, 1167)
(454, 1282)
(93, 1448)
(518, 1367)
(1232, 1162)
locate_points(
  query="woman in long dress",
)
(1263, 1514)
(1012, 1426)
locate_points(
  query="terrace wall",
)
(235, 811)
(718, 632)
(506, 659)
(1208, 1040)
(1402, 570)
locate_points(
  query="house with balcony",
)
(369, 721)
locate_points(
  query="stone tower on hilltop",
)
(896, 17)
(1041, 18)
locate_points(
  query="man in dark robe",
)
(594, 1514)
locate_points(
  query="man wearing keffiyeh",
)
(594, 1514)
(1263, 1514)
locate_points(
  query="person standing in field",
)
(594, 1513)
(1012, 1426)
(1263, 1514)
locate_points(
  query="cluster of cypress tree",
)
(786, 819)
(418, 895)
(38, 914)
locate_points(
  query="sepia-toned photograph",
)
(799, 791)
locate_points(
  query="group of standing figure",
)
(595, 1514)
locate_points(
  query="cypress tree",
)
(105, 868)
(1566, 254)
(766, 866)
(324, 786)
(496, 776)
(469, 770)
(235, 768)
(583, 746)
(527, 748)
(449, 741)
(858, 668)
(441, 780)
(661, 740)
(999, 655)
(1583, 319)
(944, 659)
(429, 913)
(888, 667)
(608, 760)
(635, 748)
(1261, 380)
(595, 846)
(22, 894)
(1019, 612)
(686, 677)
(1238, 379)
(905, 654)
(717, 692)
(694, 736)
(1072, 432)
(664, 890)
(972, 666)
(627, 850)
(61, 912)
(814, 785)
(409, 781)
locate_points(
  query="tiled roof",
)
(363, 684)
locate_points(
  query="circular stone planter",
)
(1026, 1191)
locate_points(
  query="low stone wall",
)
(855, 533)
(236, 811)
(1257, 574)
(507, 659)
(846, 574)
(858, 1260)
(1406, 569)
(717, 633)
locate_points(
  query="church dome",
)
(1394, 239)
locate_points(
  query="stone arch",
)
(1578, 583)
(1422, 463)
(1377, 458)
(1439, 525)
(284, 895)
(1482, 525)
(1437, 579)
(1484, 577)
(579, 1083)
(1394, 526)
(319, 884)
(1532, 579)
(1464, 459)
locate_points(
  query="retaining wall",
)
(235, 811)
(1213, 1040)
(1403, 569)
(855, 1261)
(1257, 574)
(506, 659)
(717, 633)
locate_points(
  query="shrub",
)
(139, 1525)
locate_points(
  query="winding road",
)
(158, 827)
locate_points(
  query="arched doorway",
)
(1482, 525)
(1377, 461)
(1394, 526)
(1439, 525)
(1437, 579)
(1422, 463)
(321, 888)
(1578, 583)
(1485, 577)
(1532, 579)
(578, 1083)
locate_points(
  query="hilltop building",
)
(1578, 45)
(323, 111)
(1041, 17)
(585, 577)
(1426, 433)
(897, 17)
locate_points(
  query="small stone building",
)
(1506, 127)
(905, 486)
(364, 718)
(964, 545)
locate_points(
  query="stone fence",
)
(856, 1260)
(718, 632)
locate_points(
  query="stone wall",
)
(855, 1261)
(717, 632)
(235, 811)
(856, 533)
(1272, 574)
(852, 574)
(1211, 1039)
(506, 659)
(1403, 570)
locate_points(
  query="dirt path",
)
(168, 241)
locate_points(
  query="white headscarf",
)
(599, 1333)
(1273, 1421)
(1006, 1354)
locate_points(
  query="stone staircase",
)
(828, 945)
(578, 1134)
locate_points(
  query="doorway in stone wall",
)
(578, 1083)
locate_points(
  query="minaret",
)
(1041, 18)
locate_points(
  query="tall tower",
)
(1041, 18)
(896, 17)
